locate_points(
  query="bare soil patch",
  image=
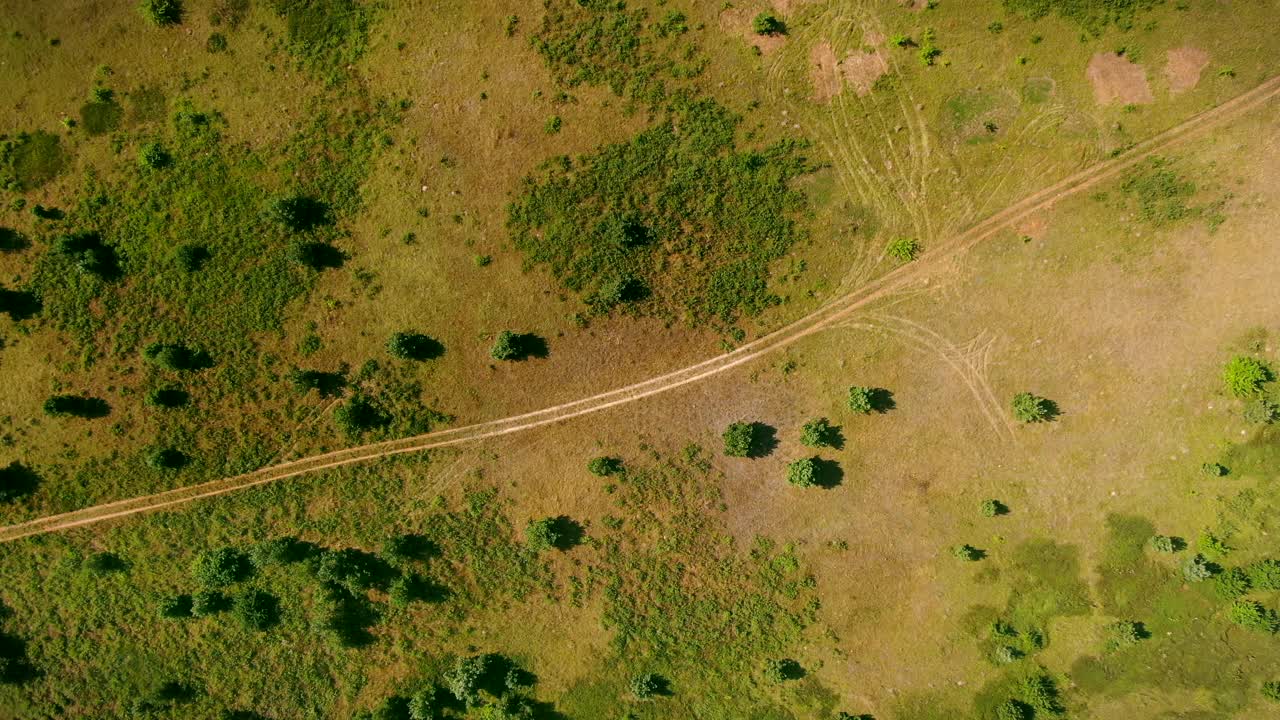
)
(862, 69)
(1115, 79)
(1184, 66)
(824, 71)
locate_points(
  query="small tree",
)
(1197, 569)
(861, 400)
(766, 23)
(152, 156)
(299, 213)
(1265, 574)
(208, 602)
(1261, 411)
(782, 670)
(161, 12)
(1245, 375)
(1231, 583)
(1165, 544)
(604, 466)
(220, 567)
(818, 432)
(257, 610)
(465, 679)
(1214, 470)
(1013, 710)
(167, 459)
(645, 686)
(506, 347)
(175, 606)
(1030, 408)
(739, 439)
(966, 552)
(1122, 634)
(542, 534)
(360, 414)
(414, 346)
(1252, 615)
(803, 473)
(1271, 690)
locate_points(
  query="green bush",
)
(280, 551)
(645, 686)
(220, 567)
(782, 670)
(512, 346)
(1231, 583)
(257, 610)
(1271, 690)
(168, 397)
(216, 43)
(191, 257)
(1197, 568)
(803, 473)
(351, 568)
(1252, 615)
(175, 606)
(1244, 376)
(1013, 710)
(819, 432)
(967, 553)
(176, 357)
(1122, 634)
(739, 439)
(208, 602)
(904, 250)
(604, 466)
(1030, 408)
(81, 406)
(161, 12)
(104, 563)
(992, 508)
(1261, 411)
(1264, 574)
(1214, 470)
(167, 459)
(861, 400)
(1166, 544)
(359, 415)
(153, 156)
(542, 534)
(414, 346)
(766, 23)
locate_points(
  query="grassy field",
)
(214, 227)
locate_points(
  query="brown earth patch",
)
(914, 5)
(1115, 79)
(1184, 66)
(737, 21)
(1033, 226)
(873, 38)
(862, 69)
(824, 71)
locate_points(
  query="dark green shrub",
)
(1261, 411)
(175, 606)
(176, 357)
(168, 397)
(299, 213)
(1271, 690)
(766, 23)
(1231, 583)
(1122, 634)
(1245, 375)
(280, 551)
(257, 610)
(819, 432)
(1252, 615)
(468, 676)
(1013, 710)
(542, 534)
(209, 602)
(1030, 408)
(604, 466)
(860, 400)
(646, 685)
(17, 480)
(216, 43)
(1197, 568)
(317, 256)
(161, 12)
(89, 253)
(782, 670)
(221, 567)
(360, 414)
(414, 346)
(803, 473)
(1167, 544)
(326, 383)
(154, 157)
(167, 459)
(967, 553)
(104, 563)
(191, 257)
(408, 547)
(81, 406)
(739, 439)
(517, 346)
(1264, 574)
(1214, 470)
(353, 569)
(992, 508)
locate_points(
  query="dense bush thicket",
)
(604, 42)
(678, 222)
(1092, 15)
(1245, 375)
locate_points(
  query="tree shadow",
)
(47, 213)
(81, 406)
(91, 254)
(1051, 410)
(16, 481)
(764, 440)
(882, 400)
(300, 213)
(105, 563)
(319, 255)
(12, 241)
(569, 532)
(828, 474)
(15, 667)
(529, 345)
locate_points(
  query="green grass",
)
(680, 222)
(30, 160)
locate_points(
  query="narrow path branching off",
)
(828, 315)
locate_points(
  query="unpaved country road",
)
(838, 309)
